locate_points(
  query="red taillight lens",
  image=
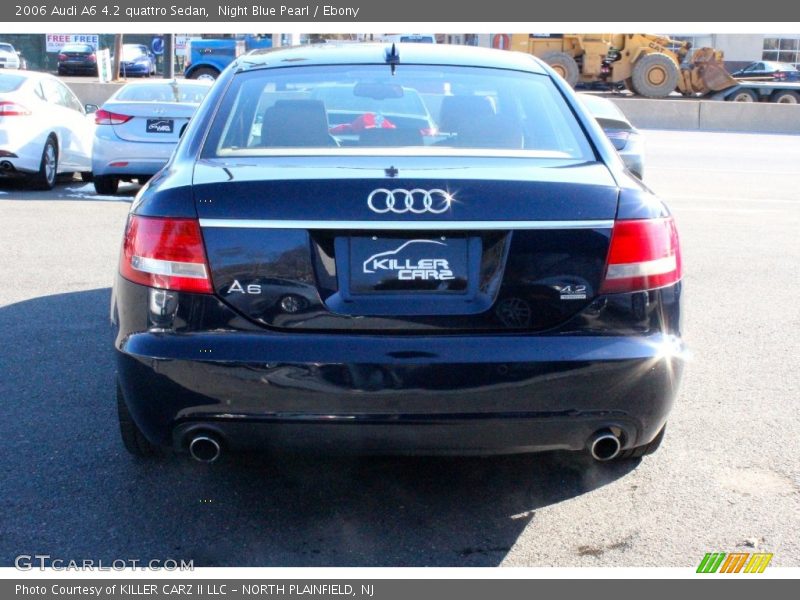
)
(643, 255)
(104, 117)
(62, 57)
(165, 253)
(12, 109)
(92, 57)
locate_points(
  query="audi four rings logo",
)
(416, 201)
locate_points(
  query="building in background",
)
(740, 49)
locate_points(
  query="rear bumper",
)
(22, 140)
(78, 67)
(139, 69)
(13, 167)
(454, 394)
(505, 395)
(140, 158)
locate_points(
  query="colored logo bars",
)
(735, 562)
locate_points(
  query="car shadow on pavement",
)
(68, 187)
(71, 491)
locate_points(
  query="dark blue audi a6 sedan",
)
(396, 248)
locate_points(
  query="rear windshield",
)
(425, 109)
(9, 83)
(133, 51)
(182, 92)
(6, 48)
(77, 48)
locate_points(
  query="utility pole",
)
(169, 56)
(117, 57)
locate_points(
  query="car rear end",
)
(21, 133)
(9, 59)
(77, 59)
(138, 128)
(499, 285)
(136, 61)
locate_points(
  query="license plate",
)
(160, 125)
(434, 265)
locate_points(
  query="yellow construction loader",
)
(649, 65)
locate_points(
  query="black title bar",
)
(620, 12)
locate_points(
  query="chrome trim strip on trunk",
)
(407, 225)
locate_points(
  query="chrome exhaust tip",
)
(205, 448)
(604, 445)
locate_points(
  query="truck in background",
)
(208, 56)
(649, 65)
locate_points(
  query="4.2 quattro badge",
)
(416, 201)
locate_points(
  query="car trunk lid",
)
(158, 122)
(406, 243)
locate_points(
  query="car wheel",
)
(204, 73)
(132, 437)
(564, 65)
(106, 185)
(786, 97)
(641, 451)
(655, 76)
(45, 179)
(86, 176)
(743, 96)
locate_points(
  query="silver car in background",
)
(625, 137)
(138, 128)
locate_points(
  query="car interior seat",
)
(296, 123)
(475, 124)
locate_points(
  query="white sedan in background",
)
(44, 129)
(9, 57)
(139, 127)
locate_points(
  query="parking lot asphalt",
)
(727, 477)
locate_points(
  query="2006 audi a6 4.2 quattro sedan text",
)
(464, 267)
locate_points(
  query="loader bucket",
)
(708, 68)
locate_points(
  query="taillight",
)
(62, 57)
(92, 57)
(104, 117)
(165, 253)
(13, 109)
(187, 53)
(644, 255)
